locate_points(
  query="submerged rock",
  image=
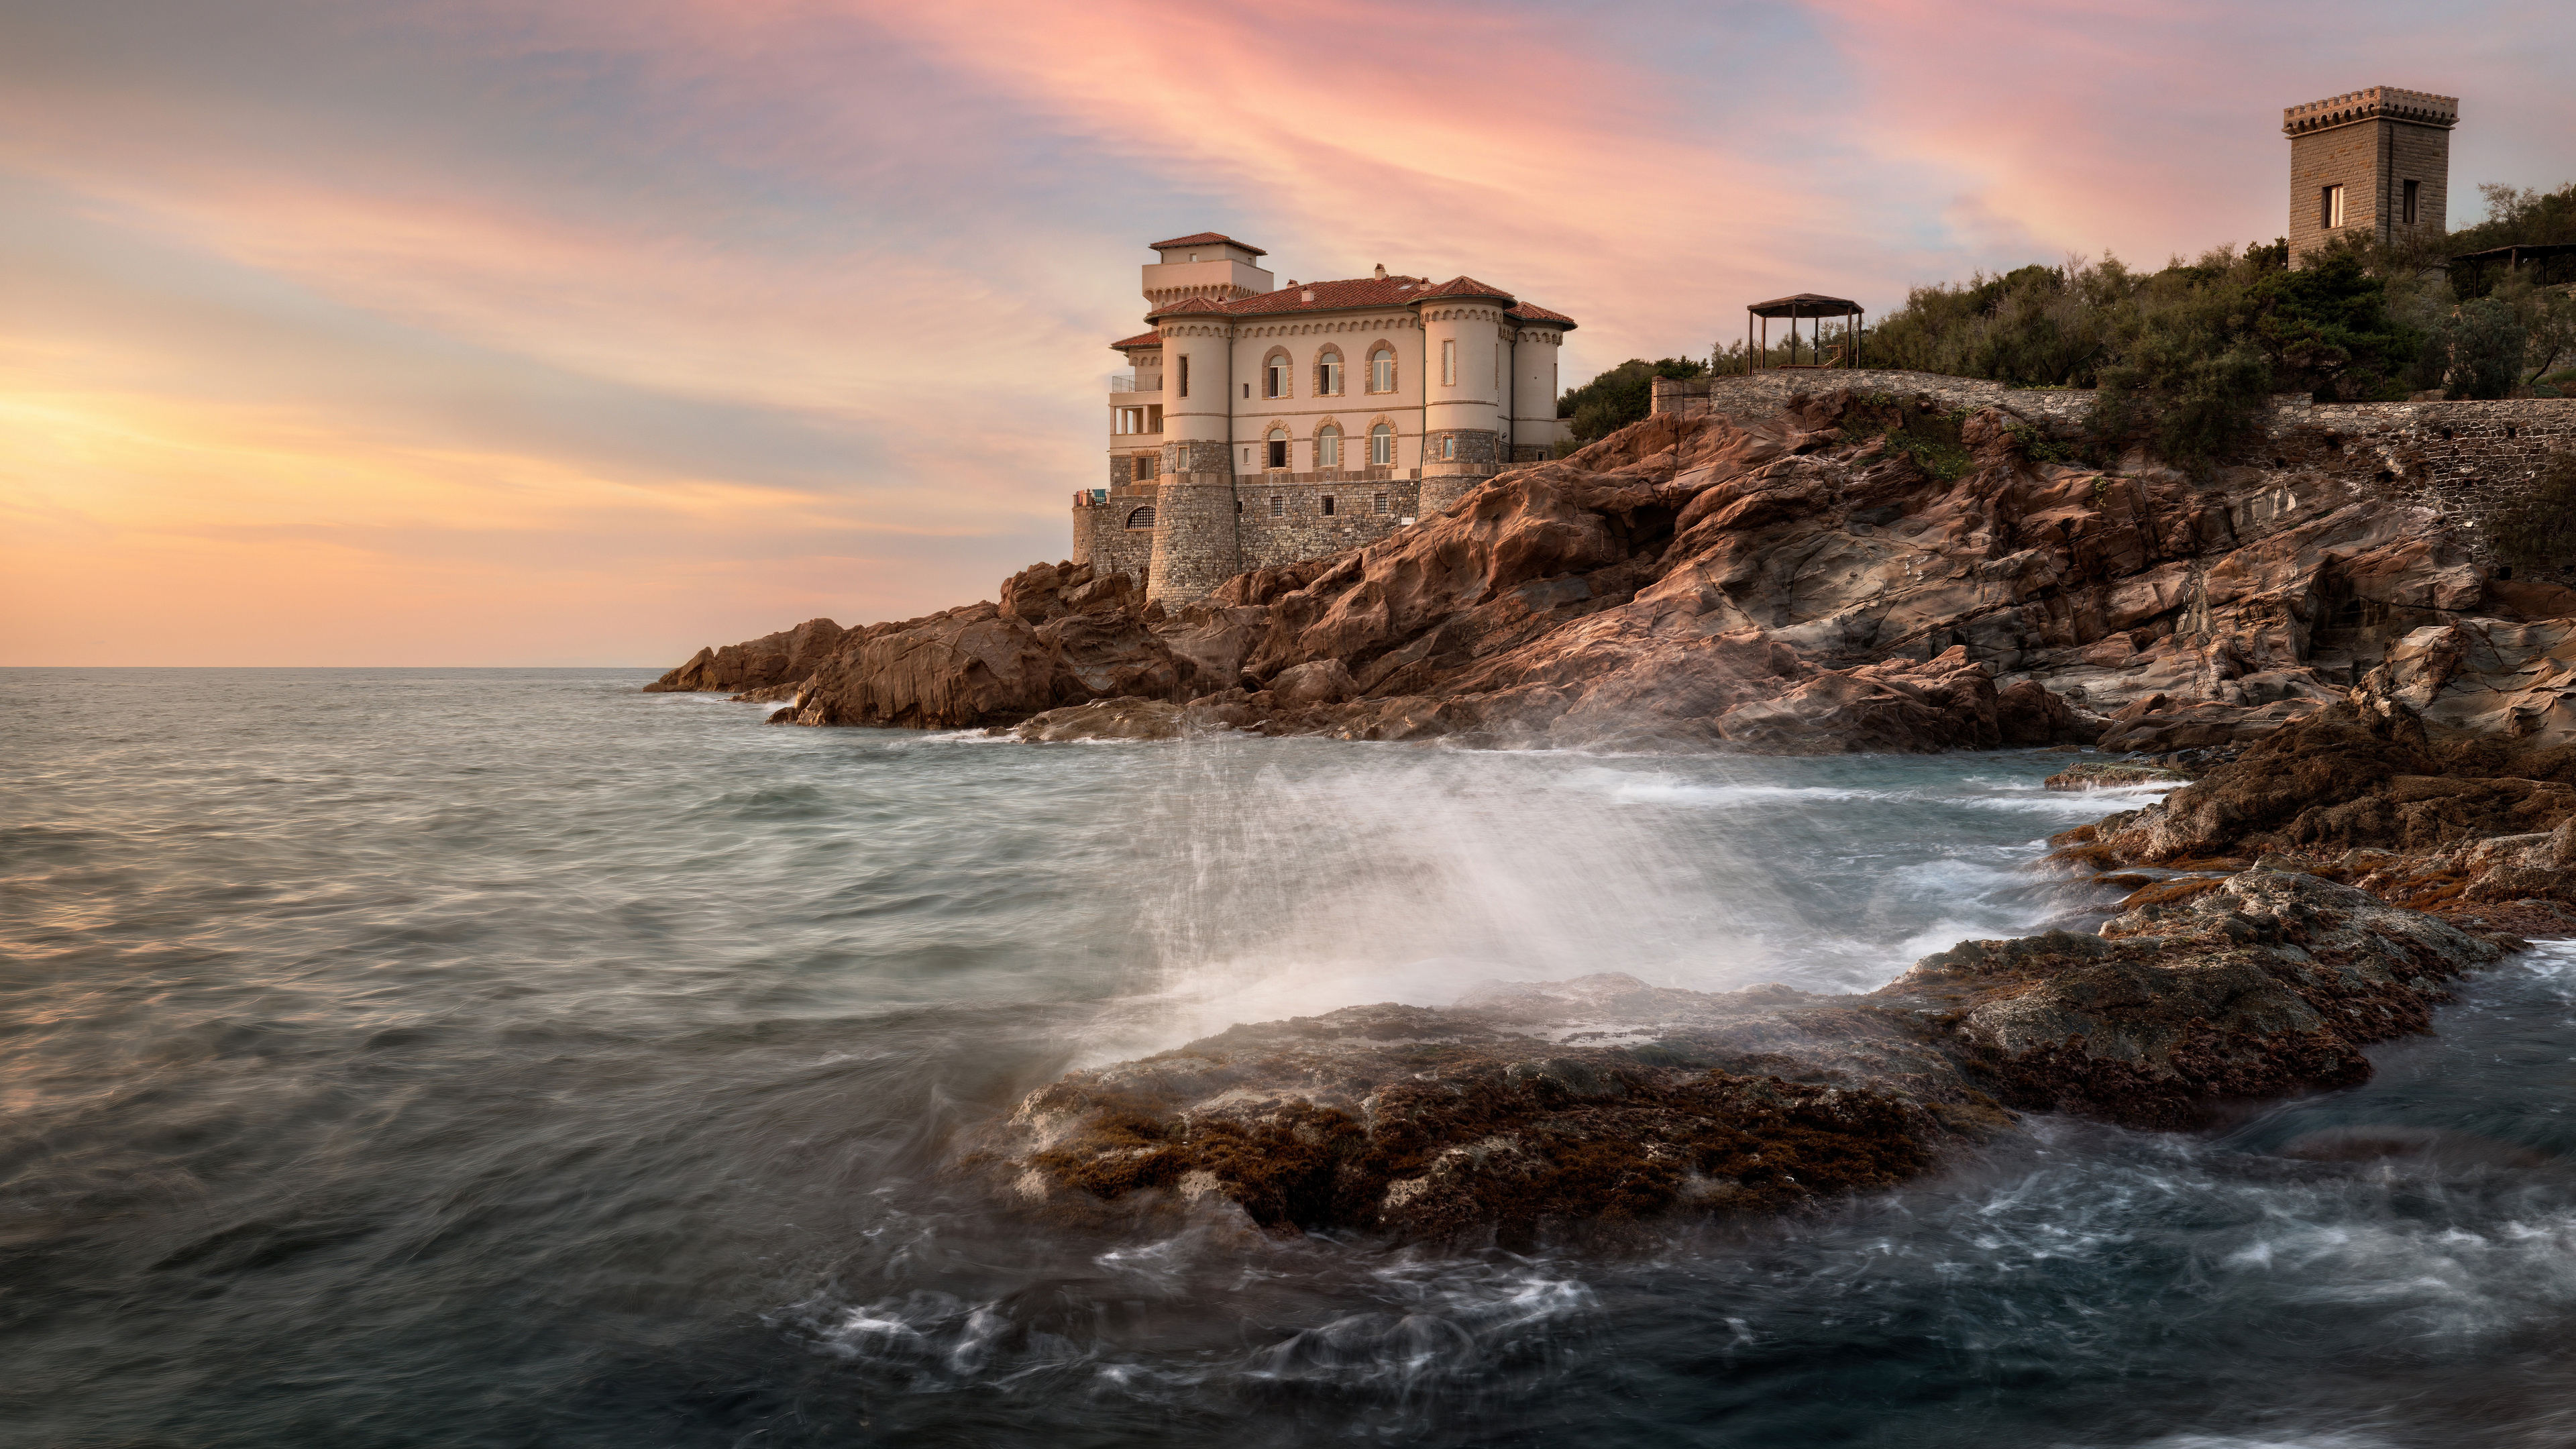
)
(1535, 1107)
(2113, 776)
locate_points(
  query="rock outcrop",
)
(1529, 1108)
(2475, 827)
(1796, 584)
(788, 657)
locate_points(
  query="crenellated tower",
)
(2375, 163)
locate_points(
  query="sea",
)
(511, 1057)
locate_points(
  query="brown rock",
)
(773, 659)
(1490, 1117)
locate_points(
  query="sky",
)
(587, 332)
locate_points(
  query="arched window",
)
(1382, 370)
(1328, 446)
(1328, 373)
(1381, 446)
(1142, 517)
(1278, 374)
(1278, 447)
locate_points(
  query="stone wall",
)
(2462, 458)
(1302, 530)
(2058, 411)
(2467, 459)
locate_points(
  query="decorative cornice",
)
(2379, 103)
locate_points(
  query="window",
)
(1185, 374)
(1498, 374)
(1449, 446)
(1328, 447)
(1328, 375)
(1278, 506)
(1382, 370)
(1328, 505)
(1277, 368)
(1381, 446)
(1449, 364)
(1145, 464)
(1142, 517)
(1377, 504)
(2330, 207)
(2413, 189)
(1278, 447)
(1247, 389)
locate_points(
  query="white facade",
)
(1387, 374)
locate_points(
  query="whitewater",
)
(413, 1057)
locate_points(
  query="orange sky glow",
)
(587, 333)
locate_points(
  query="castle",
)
(2379, 158)
(1260, 424)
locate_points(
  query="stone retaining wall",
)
(2059, 411)
(2467, 459)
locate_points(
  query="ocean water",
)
(513, 1058)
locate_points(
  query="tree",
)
(1620, 396)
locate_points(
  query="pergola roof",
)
(2536, 251)
(1805, 304)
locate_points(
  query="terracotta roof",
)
(1141, 339)
(1355, 293)
(1331, 296)
(1466, 287)
(1206, 239)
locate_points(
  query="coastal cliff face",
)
(1800, 583)
(1531, 1109)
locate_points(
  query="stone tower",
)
(2378, 159)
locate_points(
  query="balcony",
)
(1124, 383)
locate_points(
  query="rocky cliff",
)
(1844, 574)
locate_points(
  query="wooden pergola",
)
(2539, 254)
(1804, 304)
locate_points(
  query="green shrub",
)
(2476, 352)
(1620, 396)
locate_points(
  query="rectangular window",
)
(1382, 372)
(2413, 189)
(1247, 389)
(1154, 418)
(2330, 208)
(1328, 378)
(1278, 506)
(1185, 374)
(1378, 504)
(1328, 505)
(1279, 377)
(1448, 364)
(1328, 449)
(1279, 453)
(1449, 446)
(1382, 449)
